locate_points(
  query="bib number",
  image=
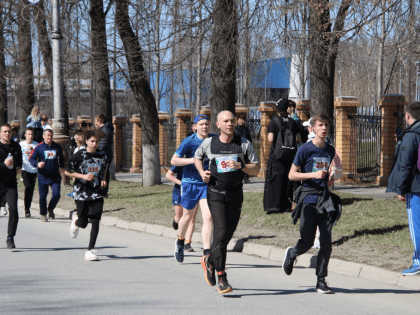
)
(50, 155)
(221, 163)
(320, 163)
(93, 169)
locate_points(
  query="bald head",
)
(224, 113)
(226, 123)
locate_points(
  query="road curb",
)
(273, 253)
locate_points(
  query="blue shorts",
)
(176, 196)
(191, 194)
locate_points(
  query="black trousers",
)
(309, 221)
(11, 196)
(225, 208)
(91, 209)
(29, 180)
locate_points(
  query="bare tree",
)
(3, 83)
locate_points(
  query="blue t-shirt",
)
(177, 170)
(186, 150)
(312, 159)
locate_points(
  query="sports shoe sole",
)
(92, 259)
(203, 264)
(176, 246)
(411, 274)
(285, 256)
(228, 290)
(324, 292)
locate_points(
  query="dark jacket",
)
(53, 157)
(405, 177)
(243, 131)
(8, 176)
(327, 201)
(107, 143)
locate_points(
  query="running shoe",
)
(223, 286)
(89, 255)
(3, 210)
(288, 262)
(10, 243)
(323, 288)
(51, 214)
(44, 218)
(74, 229)
(175, 225)
(70, 195)
(27, 213)
(413, 270)
(316, 244)
(188, 248)
(179, 252)
(209, 275)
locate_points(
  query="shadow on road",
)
(113, 257)
(239, 246)
(60, 249)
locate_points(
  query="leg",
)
(413, 212)
(233, 214)
(191, 226)
(43, 192)
(29, 180)
(93, 233)
(184, 222)
(207, 224)
(308, 224)
(55, 188)
(11, 199)
(325, 224)
(178, 213)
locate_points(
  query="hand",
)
(103, 183)
(60, 170)
(233, 164)
(88, 177)
(205, 175)
(8, 162)
(330, 182)
(401, 198)
(320, 174)
(41, 164)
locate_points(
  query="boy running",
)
(316, 206)
(29, 172)
(230, 156)
(193, 189)
(88, 168)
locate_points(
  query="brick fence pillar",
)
(267, 109)
(163, 139)
(303, 109)
(240, 110)
(182, 116)
(345, 144)
(205, 110)
(83, 119)
(72, 122)
(389, 104)
(136, 157)
(119, 122)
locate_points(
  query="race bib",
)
(93, 169)
(50, 155)
(320, 163)
(221, 164)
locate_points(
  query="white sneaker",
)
(3, 211)
(316, 244)
(89, 255)
(74, 229)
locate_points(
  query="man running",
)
(230, 156)
(88, 167)
(29, 172)
(48, 157)
(316, 206)
(193, 189)
(10, 165)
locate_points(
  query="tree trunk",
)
(25, 81)
(3, 87)
(223, 59)
(380, 60)
(143, 96)
(103, 102)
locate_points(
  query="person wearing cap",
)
(277, 191)
(44, 123)
(193, 189)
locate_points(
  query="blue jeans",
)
(413, 212)
(43, 184)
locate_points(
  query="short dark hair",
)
(292, 104)
(322, 118)
(30, 129)
(97, 133)
(15, 129)
(6, 125)
(46, 130)
(242, 116)
(414, 110)
(101, 118)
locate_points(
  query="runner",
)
(29, 172)
(175, 176)
(10, 165)
(88, 167)
(316, 205)
(193, 189)
(48, 157)
(230, 156)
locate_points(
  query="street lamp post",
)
(339, 73)
(59, 126)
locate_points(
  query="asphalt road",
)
(137, 274)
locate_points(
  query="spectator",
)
(44, 122)
(15, 134)
(106, 144)
(243, 131)
(34, 121)
(291, 110)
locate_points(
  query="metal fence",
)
(401, 125)
(365, 139)
(171, 133)
(127, 147)
(254, 124)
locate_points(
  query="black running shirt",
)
(239, 149)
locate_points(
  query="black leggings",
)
(29, 180)
(92, 210)
(225, 208)
(11, 197)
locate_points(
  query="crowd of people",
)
(209, 171)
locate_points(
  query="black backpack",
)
(286, 147)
